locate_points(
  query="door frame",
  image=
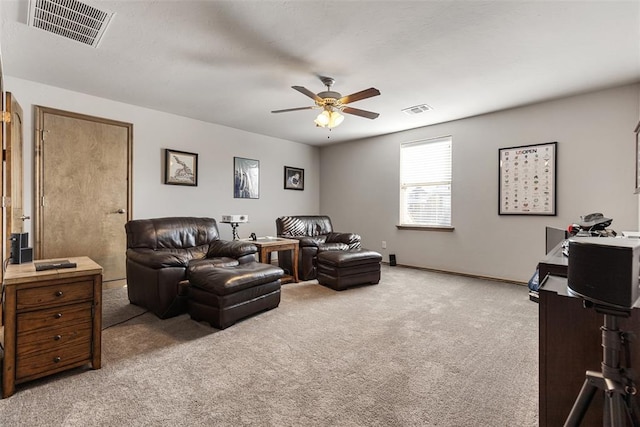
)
(39, 138)
(13, 108)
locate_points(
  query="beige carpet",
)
(115, 308)
(419, 349)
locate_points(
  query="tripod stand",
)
(616, 382)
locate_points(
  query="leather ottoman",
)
(223, 295)
(342, 269)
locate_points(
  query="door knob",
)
(121, 211)
(23, 217)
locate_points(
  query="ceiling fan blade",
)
(363, 94)
(361, 113)
(293, 109)
(307, 92)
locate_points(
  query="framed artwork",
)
(293, 178)
(180, 168)
(527, 180)
(637, 130)
(246, 178)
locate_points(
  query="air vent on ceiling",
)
(417, 109)
(70, 18)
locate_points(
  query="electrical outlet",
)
(384, 245)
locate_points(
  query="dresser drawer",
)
(53, 338)
(54, 317)
(63, 293)
(51, 361)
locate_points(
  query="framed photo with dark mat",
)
(293, 178)
(180, 168)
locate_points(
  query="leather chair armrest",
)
(314, 241)
(334, 246)
(350, 239)
(233, 249)
(159, 259)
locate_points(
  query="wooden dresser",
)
(52, 320)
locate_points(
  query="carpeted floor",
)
(419, 349)
(116, 308)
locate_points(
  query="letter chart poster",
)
(528, 180)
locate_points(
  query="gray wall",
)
(360, 183)
(216, 146)
(357, 183)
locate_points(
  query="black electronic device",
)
(20, 253)
(604, 270)
(392, 259)
(54, 265)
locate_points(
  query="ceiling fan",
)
(333, 103)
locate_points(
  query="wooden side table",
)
(266, 245)
(53, 320)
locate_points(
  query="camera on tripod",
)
(605, 270)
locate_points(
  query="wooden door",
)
(14, 195)
(83, 193)
(3, 248)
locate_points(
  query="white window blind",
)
(425, 182)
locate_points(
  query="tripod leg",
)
(593, 382)
(632, 410)
(615, 409)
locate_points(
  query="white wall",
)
(216, 146)
(596, 151)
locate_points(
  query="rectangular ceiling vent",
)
(71, 19)
(417, 109)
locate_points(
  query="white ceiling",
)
(232, 62)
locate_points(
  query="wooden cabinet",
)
(52, 320)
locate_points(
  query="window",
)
(425, 183)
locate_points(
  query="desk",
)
(266, 245)
(570, 344)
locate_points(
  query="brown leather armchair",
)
(159, 251)
(315, 234)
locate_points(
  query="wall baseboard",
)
(456, 273)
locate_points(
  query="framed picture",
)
(246, 178)
(293, 178)
(527, 182)
(180, 168)
(637, 130)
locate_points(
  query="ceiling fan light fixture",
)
(328, 119)
(323, 119)
(333, 104)
(335, 118)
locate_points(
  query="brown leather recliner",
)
(315, 233)
(159, 251)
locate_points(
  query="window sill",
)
(425, 227)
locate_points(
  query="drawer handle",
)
(57, 337)
(56, 359)
(59, 293)
(57, 315)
